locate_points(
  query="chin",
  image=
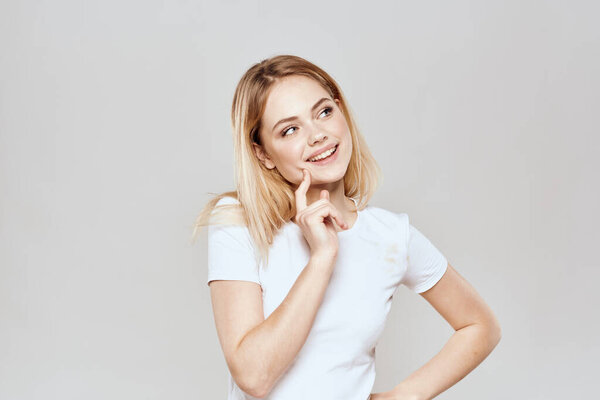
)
(328, 176)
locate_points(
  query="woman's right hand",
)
(316, 220)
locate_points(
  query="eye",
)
(285, 130)
(329, 109)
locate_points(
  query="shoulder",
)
(388, 218)
(385, 224)
(227, 210)
(227, 200)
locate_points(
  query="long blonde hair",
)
(266, 199)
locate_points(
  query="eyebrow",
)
(317, 104)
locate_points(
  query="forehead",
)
(292, 95)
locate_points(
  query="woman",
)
(302, 270)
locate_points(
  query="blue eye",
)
(284, 131)
(327, 109)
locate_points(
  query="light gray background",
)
(114, 128)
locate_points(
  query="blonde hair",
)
(266, 198)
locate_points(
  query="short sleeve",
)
(230, 252)
(425, 263)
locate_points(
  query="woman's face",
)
(311, 124)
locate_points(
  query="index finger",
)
(300, 192)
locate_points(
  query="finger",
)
(338, 218)
(325, 196)
(332, 212)
(300, 192)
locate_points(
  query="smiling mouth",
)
(321, 159)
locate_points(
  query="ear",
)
(262, 156)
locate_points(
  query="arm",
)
(477, 332)
(259, 354)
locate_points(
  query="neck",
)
(336, 194)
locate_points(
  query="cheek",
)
(341, 125)
(296, 152)
(291, 153)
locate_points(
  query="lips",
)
(316, 153)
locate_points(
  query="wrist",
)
(403, 393)
(324, 257)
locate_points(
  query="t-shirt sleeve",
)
(230, 252)
(425, 263)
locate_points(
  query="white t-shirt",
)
(378, 253)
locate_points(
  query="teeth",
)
(323, 154)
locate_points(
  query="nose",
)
(317, 137)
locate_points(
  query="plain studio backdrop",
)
(115, 129)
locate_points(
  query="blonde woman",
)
(302, 269)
